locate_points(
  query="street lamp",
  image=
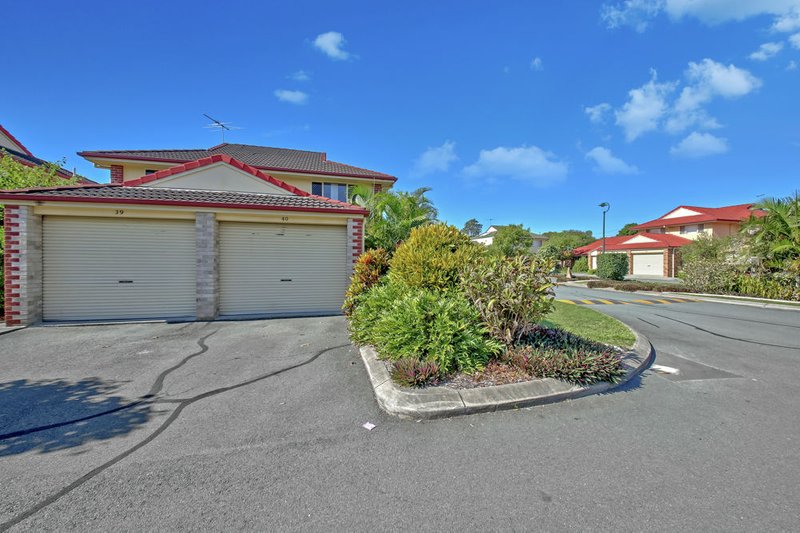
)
(606, 206)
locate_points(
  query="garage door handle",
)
(286, 279)
(125, 281)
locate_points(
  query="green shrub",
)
(612, 266)
(411, 372)
(774, 287)
(581, 264)
(511, 294)
(369, 268)
(403, 322)
(710, 276)
(432, 257)
(633, 286)
(555, 353)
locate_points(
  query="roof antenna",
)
(221, 126)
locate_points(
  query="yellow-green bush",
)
(432, 257)
(369, 268)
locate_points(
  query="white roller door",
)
(109, 268)
(273, 269)
(648, 264)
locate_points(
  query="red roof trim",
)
(204, 162)
(730, 213)
(101, 155)
(220, 205)
(15, 140)
(660, 240)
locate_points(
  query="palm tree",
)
(392, 214)
(775, 234)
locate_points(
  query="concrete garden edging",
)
(441, 402)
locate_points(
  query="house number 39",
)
(119, 211)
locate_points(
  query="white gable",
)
(639, 238)
(681, 212)
(218, 177)
(6, 142)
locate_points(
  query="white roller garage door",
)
(648, 264)
(273, 269)
(109, 268)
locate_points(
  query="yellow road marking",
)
(663, 301)
(648, 302)
(605, 302)
(588, 302)
(566, 302)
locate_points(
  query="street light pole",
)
(606, 206)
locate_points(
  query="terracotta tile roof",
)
(731, 213)
(659, 240)
(15, 140)
(32, 160)
(120, 194)
(263, 157)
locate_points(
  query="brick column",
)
(630, 263)
(207, 249)
(116, 173)
(22, 265)
(377, 187)
(355, 242)
(666, 263)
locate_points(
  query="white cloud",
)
(292, 97)
(795, 40)
(606, 163)
(523, 163)
(300, 75)
(638, 14)
(332, 44)
(792, 65)
(597, 113)
(766, 51)
(707, 80)
(435, 159)
(700, 145)
(788, 22)
(536, 63)
(634, 13)
(644, 109)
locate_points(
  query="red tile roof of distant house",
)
(656, 241)
(262, 157)
(731, 213)
(24, 156)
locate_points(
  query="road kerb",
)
(442, 402)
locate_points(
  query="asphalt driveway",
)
(257, 425)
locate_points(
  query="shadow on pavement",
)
(26, 407)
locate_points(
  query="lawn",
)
(590, 324)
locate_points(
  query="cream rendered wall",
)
(132, 171)
(218, 177)
(6, 142)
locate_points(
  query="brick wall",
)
(667, 263)
(630, 263)
(377, 187)
(207, 245)
(116, 173)
(22, 266)
(355, 242)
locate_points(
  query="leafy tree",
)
(559, 244)
(472, 228)
(512, 240)
(775, 237)
(626, 229)
(393, 215)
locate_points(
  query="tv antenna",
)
(221, 126)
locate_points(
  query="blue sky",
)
(514, 112)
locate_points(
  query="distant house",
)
(487, 238)
(20, 153)
(654, 250)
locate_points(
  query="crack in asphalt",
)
(183, 404)
(728, 337)
(146, 399)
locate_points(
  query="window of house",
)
(701, 227)
(149, 171)
(334, 191)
